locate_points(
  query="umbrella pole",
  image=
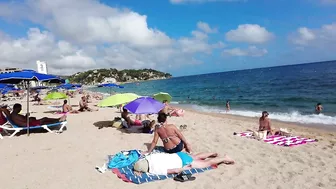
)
(28, 107)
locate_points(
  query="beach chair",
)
(10, 126)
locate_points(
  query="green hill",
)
(92, 77)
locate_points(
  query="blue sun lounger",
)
(10, 126)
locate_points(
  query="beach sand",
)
(68, 160)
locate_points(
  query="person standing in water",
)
(228, 106)
(318, 108)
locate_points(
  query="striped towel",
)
(126, 174)
(281, 140)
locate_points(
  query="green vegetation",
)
(93, 77)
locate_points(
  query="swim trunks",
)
(186, 158)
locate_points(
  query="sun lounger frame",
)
(10, 126)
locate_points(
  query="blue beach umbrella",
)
(111, 85)
(27, 76)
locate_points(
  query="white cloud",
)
(88, 21)
(249, 33)
(250, 51)
(206, 28)
(201, 1)
(86, 34)
(324, 37)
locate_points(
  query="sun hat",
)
(141, 165)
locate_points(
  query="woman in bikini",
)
(172, 139)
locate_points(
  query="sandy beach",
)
(68, 160)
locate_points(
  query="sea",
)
(289, 93)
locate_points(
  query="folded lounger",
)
(10, 126)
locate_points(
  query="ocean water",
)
(288, 93)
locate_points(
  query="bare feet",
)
(228, 160)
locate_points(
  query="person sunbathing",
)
(66, 108)
(167, 109)
(129, 121)
(21, 120)
(163, 163)
(265, 123)
(83, 105)
(172, 138)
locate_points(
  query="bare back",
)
(264, 124)
(168, 135)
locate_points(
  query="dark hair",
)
(17, 106)
(162, 117)
(125, 110)
(65, 101)
(318, 104)
(164, 101)
(265, 112)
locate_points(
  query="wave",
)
(293, 116)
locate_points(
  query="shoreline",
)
(306, 130)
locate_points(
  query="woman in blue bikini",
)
(172, 139)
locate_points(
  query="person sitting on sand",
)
(318, 108)
(172, 138)
(66, 108)
(265, 123)
(83, 105)
(21, 120)
(128, 120)
(37, 99)
(163, 163)
(167, 109)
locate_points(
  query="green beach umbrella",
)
(118, 99)
(161, 96)
(55, 96)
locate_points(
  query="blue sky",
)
(181, 37)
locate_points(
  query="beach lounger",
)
(10, 126)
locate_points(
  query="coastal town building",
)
(9, 70)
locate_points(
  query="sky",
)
(182, 37)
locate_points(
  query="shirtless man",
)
(318, 108)
(67, 108)
(83, 105)
(172, 138)
(265, 123)
(21, 120)
(163, 163)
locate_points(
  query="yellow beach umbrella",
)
(161, 96)
(118, 99)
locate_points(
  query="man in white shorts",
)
(164, 163)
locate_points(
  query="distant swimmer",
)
(318, 108)
(228, 106)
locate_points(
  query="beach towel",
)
(281, 140)
(126, 174)
(123, 159)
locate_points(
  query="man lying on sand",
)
(66, 108)
(163, 163)
(172, 138)
(21, 120)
